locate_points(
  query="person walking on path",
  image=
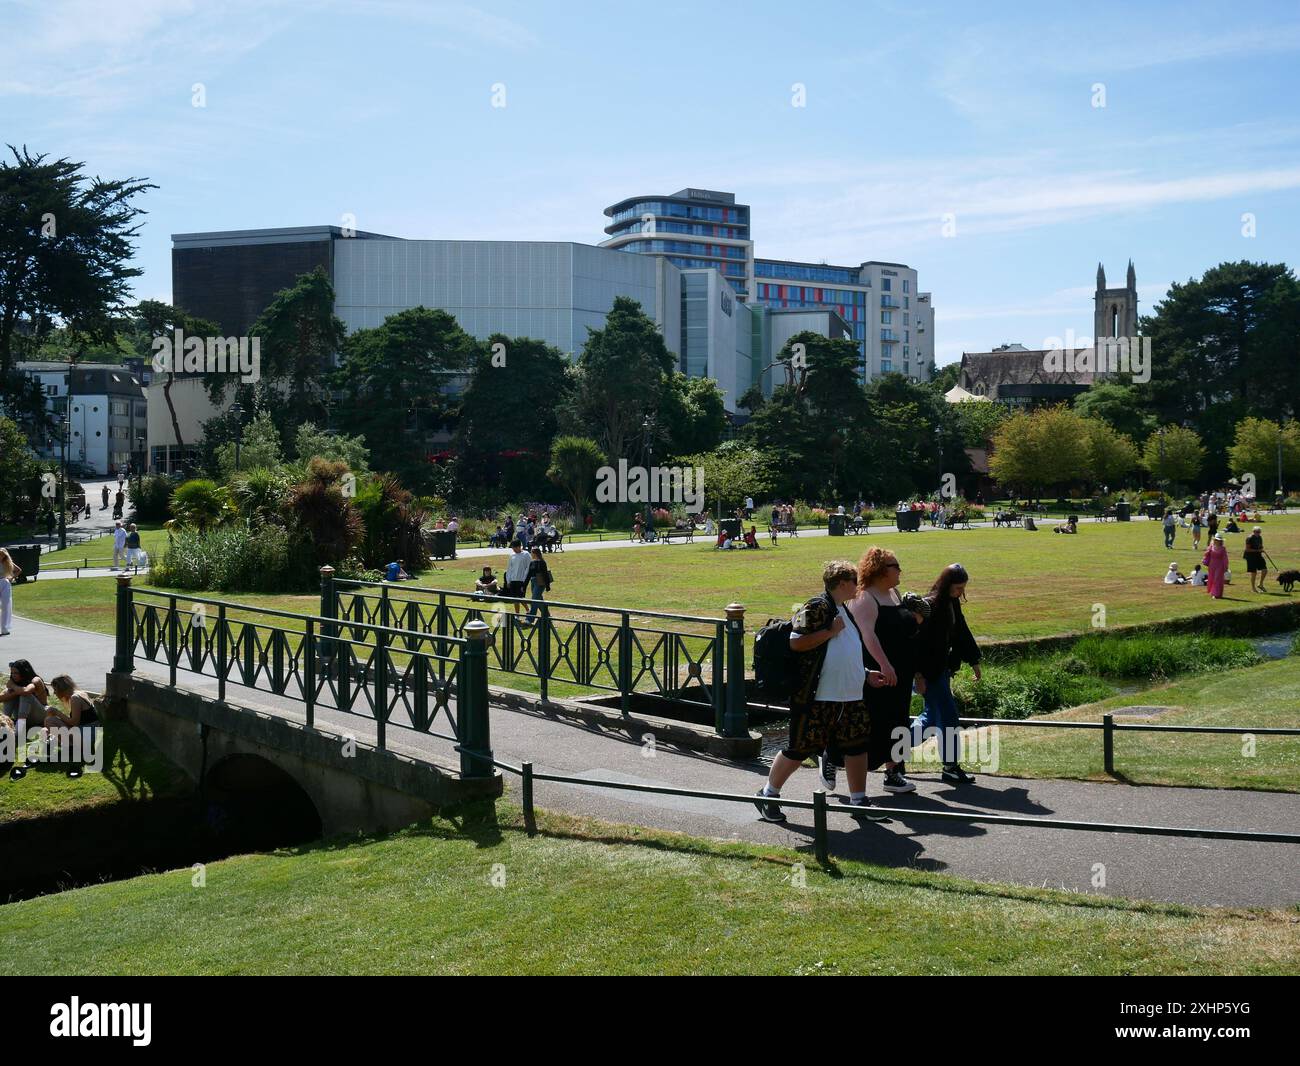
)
(889, 632)
(1255, 560)
(1216, 565)
(8, 571)
(1171, 527)
(943, 644)
(1196, 531)
(826, 706)
(119, 545)
(104, 497)
(132, 546)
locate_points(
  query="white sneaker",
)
(826, 773)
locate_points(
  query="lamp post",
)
(647, 425)
(238, 411)
(65, 427)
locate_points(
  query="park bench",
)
(790, 528)
(1006, 518)
(858, 525)
(961, 520)
(686, 533)
(1108, 514)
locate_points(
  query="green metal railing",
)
(433, 684)
(641, 655)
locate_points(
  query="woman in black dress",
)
(888, 632)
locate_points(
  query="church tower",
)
(1115, 314)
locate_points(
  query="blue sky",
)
(321, 108)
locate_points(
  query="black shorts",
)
(514, 590)
(1255, 563)
(843, 726)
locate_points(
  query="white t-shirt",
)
(843, 673)
(119, 537)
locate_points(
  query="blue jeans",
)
(1169, 536)
(535, 603)
(939, 717)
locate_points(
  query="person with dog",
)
(826, 705)
(1256, 565)
(943, 644)
(1216, 565)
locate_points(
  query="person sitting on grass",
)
(396, 571)
(486, 583)
(1173, 577)
(725, 541)
(1198, 576)
(751, 538)
(1070, 525)
(80, 714)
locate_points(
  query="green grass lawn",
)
(99, 552)
(1265, 696)
(586, 897)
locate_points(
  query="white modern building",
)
(106, 410)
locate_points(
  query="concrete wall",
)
(362, 792)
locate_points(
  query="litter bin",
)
(1155, 510)
(836, 524)
(28, 558)
(732, 526)
(442, 544)
(908, 521)
(1123, 511)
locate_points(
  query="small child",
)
(1173, 577)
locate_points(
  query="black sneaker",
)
(896, 782)
(826, 773)
(955, 775)
(867, 813)
(767, 810)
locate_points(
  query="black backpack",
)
(776, 669)
(774, 660)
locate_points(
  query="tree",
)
(1035, 450)
(19, 474)
(976, 421)
(393, 524)
(259, 446)
(692, 416)
(1125, 408)
(509, 413)
(1256, 446)
(65, 248)
(394, 379)
(200, 504)
(1224, 347)
(622, 374)
(328, 526)
(818, 421)
(153, 318)
(730, 472)
(312, 442)
(1111, 455)
(574, 464)
(945, 377)
(1174, 454)
(299, 336)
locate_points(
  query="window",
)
(887, 317)
(886, 366)
(906, 283)
(884, 284)
(907, 319)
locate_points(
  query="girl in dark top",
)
(539, 581)
(944, 643)
(888, 632)
(1254, 556)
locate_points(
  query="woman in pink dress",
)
(1216, 563)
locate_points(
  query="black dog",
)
(1288, 579)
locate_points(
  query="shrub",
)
(234, 559)
(1155, 657)
(151, 497)
(1023, 690)
(392, 524)
(661, 517)
(200, 504)
(331, 527)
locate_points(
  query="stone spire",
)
(1132, 277)
(1101, 277)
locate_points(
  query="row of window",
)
(722, 251)
(697, 229)
(811, 294)
(704, 214)
(731, 271)
(843, 275)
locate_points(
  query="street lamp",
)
(66, 428)
(647, 425)
(238, 411)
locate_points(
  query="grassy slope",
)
(588, 897)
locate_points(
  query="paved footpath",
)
(1210, 872)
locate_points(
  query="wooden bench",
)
(792, 529)
(858, 525)
(1006, 518)
(1108, 515)
(687, 534)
